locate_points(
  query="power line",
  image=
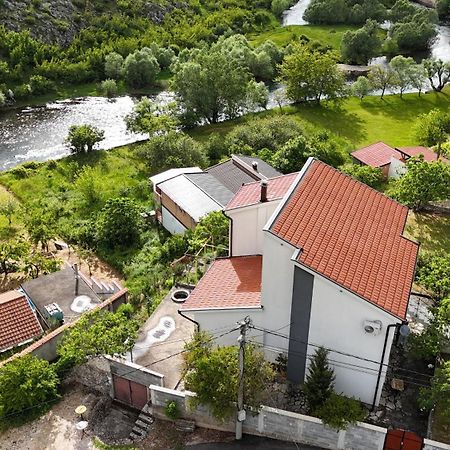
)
(339, 352)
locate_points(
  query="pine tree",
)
(319, 382)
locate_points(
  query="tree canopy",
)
(83, 138)
(311, 74)
(433, 128)
(213, 374)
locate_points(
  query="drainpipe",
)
(392, 325)
(230, 250)
(190, 320)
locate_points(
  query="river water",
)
(37, 133)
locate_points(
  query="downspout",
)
(396, 325)
(230, 245)
(190, 320)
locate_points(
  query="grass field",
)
(361, 122)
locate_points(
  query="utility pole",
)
(243, 327)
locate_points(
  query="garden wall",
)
(433, 445)
(278, 424)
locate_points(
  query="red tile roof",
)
(229, 283)
(18, 323)
(376, 155)
(428, 155)
(250, 194)
(352, 235)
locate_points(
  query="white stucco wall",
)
(396, 168)
(221, 321)
(247, 229)
(170, 223)
(337, 318)
(276, 294)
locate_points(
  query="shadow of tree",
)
(431, 230)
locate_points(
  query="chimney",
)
(255, 166)
(264, 185)
(77, 278)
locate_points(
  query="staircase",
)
(142, 424)
(101, 287)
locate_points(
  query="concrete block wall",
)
(433, 445)
(279, 424)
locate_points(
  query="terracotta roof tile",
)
(376, 155)
(18, 322)
(250, 194)
(428, 155)
(229, 283)
(352, 235)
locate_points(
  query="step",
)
(147, 409)
(141, 424)
(145, 418)
(135, 437)
(139, 431)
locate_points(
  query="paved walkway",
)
(253, 443)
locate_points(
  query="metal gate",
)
(129, 392)
(402, 440)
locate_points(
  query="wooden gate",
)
(129, 392)
(402, 440)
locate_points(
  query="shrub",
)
(372, 176)
(83, 138)
(171, 410)
(339, 412)
(109, 87)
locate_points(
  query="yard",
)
(360, 122)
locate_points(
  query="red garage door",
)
(402, 440)
(129, 392)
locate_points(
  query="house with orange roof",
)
(391, 160)
(19, 324)
(316, 259)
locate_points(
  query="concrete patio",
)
(163, 335)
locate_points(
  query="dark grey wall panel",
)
(300, 320)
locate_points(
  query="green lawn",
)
(326, 34)
(390, 120)
(431, 230)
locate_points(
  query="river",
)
(37, 133)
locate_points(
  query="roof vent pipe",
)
(255, 166)
(264, 185)
(77, 278)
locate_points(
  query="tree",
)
(418, 77)
(212, 230)
(292, 156)
(147, 117)
(279, 6)
(119, 223)
(437, 69)
(443, 9)
(361, 87)
(257, 95)
(141, 68)
(372, 176)
(27, 385)
(423, 182)
(311, 74)
(98, 333)
(172, 150)
(83, 138)
(8, 208)
(40, 228)
(358, 47)
(35, 264)
(402, 69)
(12, 254)
(211, 85)
(381, 78)
(433, 273)
(433, 128)
(114, 66)
(319, 382)
(213, 374)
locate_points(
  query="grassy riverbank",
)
(361, 122)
